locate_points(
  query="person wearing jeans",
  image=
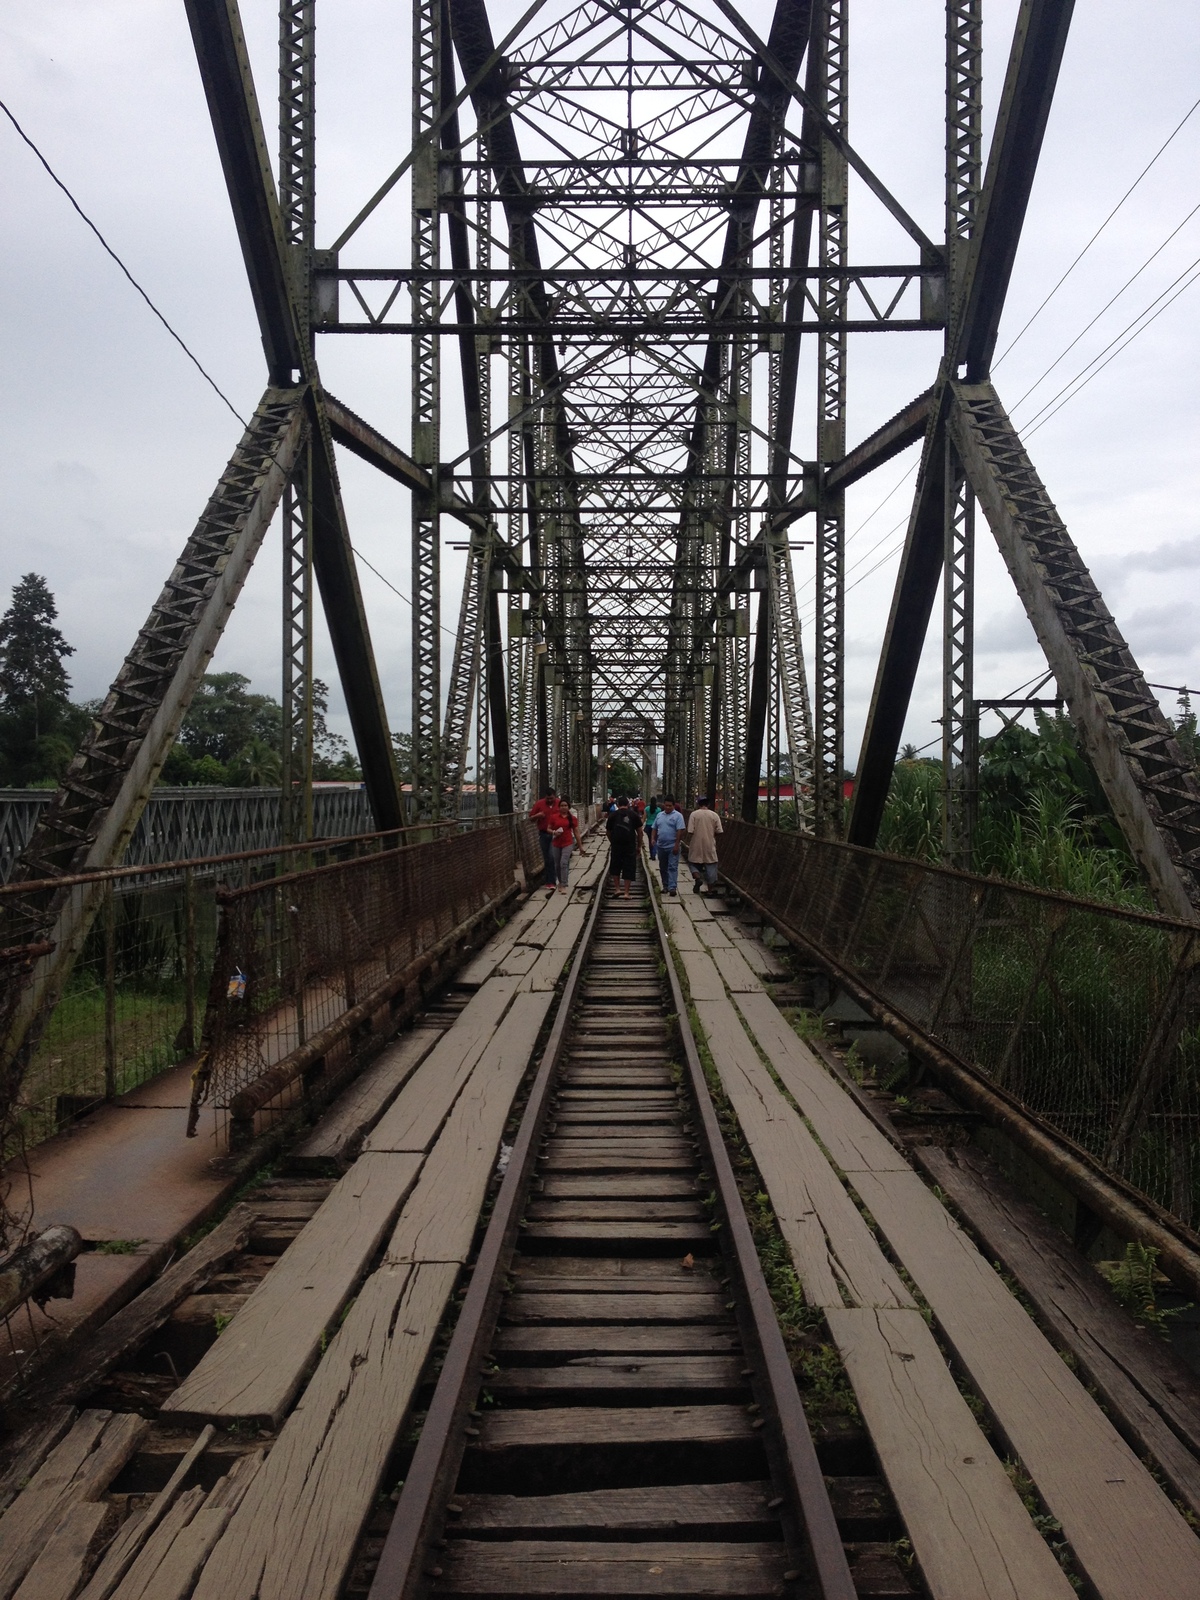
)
(668, 827)
(540, 814)
(564, 830)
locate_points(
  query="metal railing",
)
(305, 960)
(133, 1000)
(1088, 1016)
(186, 824)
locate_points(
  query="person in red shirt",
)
(541, 814)
(564, 834)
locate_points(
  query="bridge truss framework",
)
(626, 218)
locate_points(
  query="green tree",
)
(623, 777)
(39, 727)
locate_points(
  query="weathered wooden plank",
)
(680, 1234)
(626, 1337)
(565, 1159)
(740, 1509)
(762, 962)
(413, 1120)
(633, 1307)
(518, 961)
(80, 1467)
(67, 1556)
(1153, 1398)
(484, 963)
(852, 1140)
(834, 1250)
(735, 971)
(339, 1134)
(627, 1268)
(124, 1332)
(626, 1425)
(26, 1453)
(973, 1537)
(704, 981)
(560, 1566)
(120, 1555)
(680, 927)
(613, 1375)
(532, 1282)
(638, 1210)
(571, 1185)
(439, 1219)
(152, 1554)
(177, 1572)
(1127, 1537)
(711, 933)
(293, 1536)
(256, 1368)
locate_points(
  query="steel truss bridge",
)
(627, 216)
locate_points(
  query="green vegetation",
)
(39, 727)
(235, 738)
(1135, 1281)
(119, 1247)
(1043, 817)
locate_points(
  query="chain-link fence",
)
(1089, 1016)
(134, 999)
(307, 959)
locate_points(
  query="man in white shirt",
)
(703, 827)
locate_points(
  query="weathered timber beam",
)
(1151, 786)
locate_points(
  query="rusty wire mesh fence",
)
(133, 1002)
(1089, 1016)
(305, 959)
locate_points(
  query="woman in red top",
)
(564, 831)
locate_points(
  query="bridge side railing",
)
(133, 1002)
(1087, 1017)
(308, 962)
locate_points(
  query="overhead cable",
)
(179, 340)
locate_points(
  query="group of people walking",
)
(626, 823)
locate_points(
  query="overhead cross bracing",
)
(627, 219)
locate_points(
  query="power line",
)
(1095, 236)
(1128, 282)
(1076, 386)
(208, 378)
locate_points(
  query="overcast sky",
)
(113, 441)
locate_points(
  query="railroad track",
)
(616, 1414)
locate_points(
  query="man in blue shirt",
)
(664, 841)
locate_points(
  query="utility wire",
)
(1128, 282)
(208, 378)
(1178, 126)
(1076, 387)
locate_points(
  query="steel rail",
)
(759, 1326)
(439, 1450)
(436, 1462)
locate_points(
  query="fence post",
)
(189, 960)
(110, 993)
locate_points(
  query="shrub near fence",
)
(133, 1002)
(1088, 1016)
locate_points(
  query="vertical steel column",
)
(296, 734)
(960, 722)
(426, 363)
(830, 47)
(297, 205)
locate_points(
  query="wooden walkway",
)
(850, 1204)
(978, 1424)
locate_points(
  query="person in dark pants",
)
(542, 811)
(624, 829)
